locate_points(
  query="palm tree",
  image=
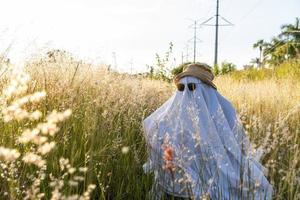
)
(282, 47)
(274, 50)
(291, 33)
(291, 30)
(255, 61)
(260, 44)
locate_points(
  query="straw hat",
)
(201, 71)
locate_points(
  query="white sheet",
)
(211, 152)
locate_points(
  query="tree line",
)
(282, 47)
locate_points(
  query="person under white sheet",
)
(197, 145)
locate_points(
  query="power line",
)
(253, 8)
(228, 7)
(275, 45)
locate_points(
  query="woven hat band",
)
(199, 71)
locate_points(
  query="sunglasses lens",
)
(180, 87)
(192, 86)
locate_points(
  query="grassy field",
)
(102, 142)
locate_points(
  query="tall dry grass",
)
(104, 132)
(270, 111)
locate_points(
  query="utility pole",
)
(115, 60)
(195, 26)
(228, 23)
(195, 36)
(217, 34)
(131, 66)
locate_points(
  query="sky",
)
(128, 33)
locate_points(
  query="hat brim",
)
(198, 75)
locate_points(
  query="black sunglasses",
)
(191, 86)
